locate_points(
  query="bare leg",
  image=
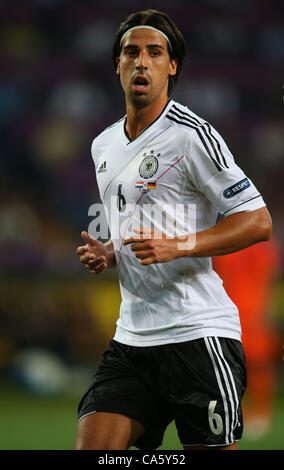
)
(107, 431)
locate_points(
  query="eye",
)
(131, 52)
(155, 52)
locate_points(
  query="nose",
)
(141, 62)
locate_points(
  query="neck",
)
(138, 119)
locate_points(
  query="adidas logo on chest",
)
(102, 167)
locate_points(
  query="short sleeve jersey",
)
(176, 177)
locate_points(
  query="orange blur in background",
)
(249, 277)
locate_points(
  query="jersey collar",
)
(148, 129)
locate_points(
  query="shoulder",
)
(204, 140)
(183, 118)
(106, 133)
(186, 122)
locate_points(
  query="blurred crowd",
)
(58, 90)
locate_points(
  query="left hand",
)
(151, 246)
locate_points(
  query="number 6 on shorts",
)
(215, 420)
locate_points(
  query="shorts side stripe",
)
(219, 381)
(228, 388)
(232, 382)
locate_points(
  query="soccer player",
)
(177, 351)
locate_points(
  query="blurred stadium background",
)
(58, 90)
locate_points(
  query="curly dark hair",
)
(161, 21)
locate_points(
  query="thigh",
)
(120, 396)
(208, 413)
(107, 431)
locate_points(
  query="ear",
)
(118, 66)
(173, 67)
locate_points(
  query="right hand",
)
(93, 255)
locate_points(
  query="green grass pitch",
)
(30, 422)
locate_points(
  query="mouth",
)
(140, 83)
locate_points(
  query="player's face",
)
(144, 67)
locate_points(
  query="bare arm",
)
(234, 233)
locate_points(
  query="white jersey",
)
(179, 161)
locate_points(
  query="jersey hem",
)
(130, 341)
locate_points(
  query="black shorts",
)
(199, 384)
